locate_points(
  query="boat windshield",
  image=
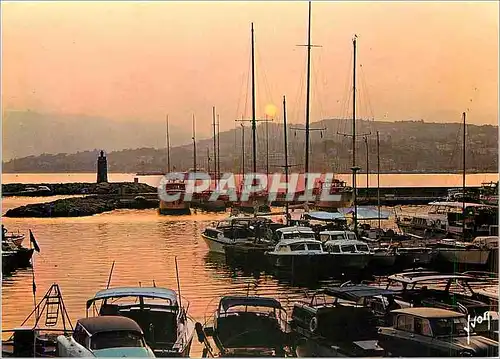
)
(298, 235)
(348, 248)
(117, 339)
(362, 247)
(449, 326)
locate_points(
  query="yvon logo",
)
(473, 321)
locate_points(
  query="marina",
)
(372, 234)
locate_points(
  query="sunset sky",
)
(123, 60)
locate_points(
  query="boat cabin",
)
(244, 324)
(433, 289)
(156, 310)
(297, 240)
(345, 318)
(105, 336)
(437, 331)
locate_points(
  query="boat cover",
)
(146, 292)
(356, 292)
(325, 216)
(233, 301)
(365, 213)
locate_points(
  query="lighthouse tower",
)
(102, 168)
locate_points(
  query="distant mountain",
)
(28, 133)
(409, 146)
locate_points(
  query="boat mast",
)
(286, 156)
(308, 88)
(215, 144)
(208, 160)
(242, 149)
(463, 180)
(168, 149)
(254, 126)
(378, 177)
(267, 147)
(354, 168)
(218, 146)
(194, 144)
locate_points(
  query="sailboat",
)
(334, 187)
(176, 186)
(256, 202)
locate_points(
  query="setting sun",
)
(270, 110)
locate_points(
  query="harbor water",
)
(77, 253)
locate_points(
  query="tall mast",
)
(354, 105)
(354, 168)
(215, 144)
(286, 154)
(194, 144)
(267, 147)
(308, 87)
(254, 126)
(168, 149)
(463, 180)
(242, 149)
(378, 177)
(208, 160)
(218, 146)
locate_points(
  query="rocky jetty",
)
(80, 206)
(55, 189)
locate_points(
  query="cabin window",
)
(423, 327)
(362, 247)
(324, 237)
(334, 249)
(298, 247)
(118, 339)
(405, 322)
(314, 246)
(449, 326)
(79, 334)
(351, 236)
(337, 236)
(350, 248)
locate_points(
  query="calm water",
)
(77, 253)
(386, 180)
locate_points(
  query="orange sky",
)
(142, 60)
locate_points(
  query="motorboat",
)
(447, 219)
(340, 195)
(160, 312)
(49, 319)
(297, 248)
(475, 253)
(345, 250)
(246, 326)
(412, 257)
(434, 332)
(340, 321)
(107, 336)
(233, 230)
(178, 206)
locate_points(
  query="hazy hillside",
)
(404, 146)
(28, 133)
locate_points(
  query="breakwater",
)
(57, 189)
(80, 206)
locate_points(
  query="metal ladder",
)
(53, 302)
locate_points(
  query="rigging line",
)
(267, 88)
(346, 96)
(368, 99)
(240, 100)
(249, 69)
(298, 96)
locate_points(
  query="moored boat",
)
(108, 336)
(234, 230)
(246, 326)
(345, 252)
(167, 327)
(340, 321)
(179, 206)
(297, 248)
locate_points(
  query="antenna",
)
(110, 274)
(178, 282)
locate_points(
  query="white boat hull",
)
(471, 256)
(215, 245)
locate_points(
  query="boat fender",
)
(313, 324)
